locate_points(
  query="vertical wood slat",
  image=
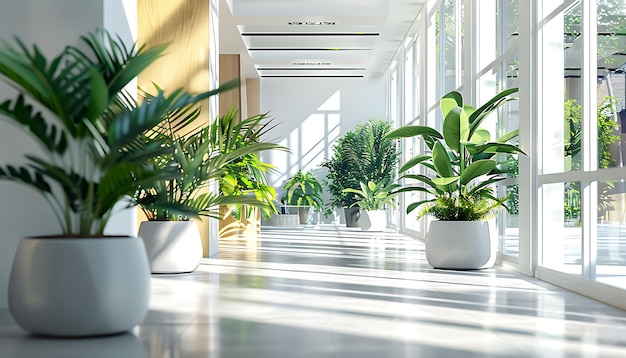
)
(184, 24)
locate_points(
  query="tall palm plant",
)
(94, 148)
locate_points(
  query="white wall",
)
(311, 113)
(51, 25)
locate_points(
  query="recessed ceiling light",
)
(313, 23)
(312, 63)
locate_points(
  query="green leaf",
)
(411, 207)
(456, 128)
(450, 101)
(441, 161)
(409, 189)
(412, 131)
(508, 136)
(480, 136)
(493, 147)
(477, 169)
(414, 161)
(445, 181)
(99, 95)
(485, 110)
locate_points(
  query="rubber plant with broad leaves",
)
(462, 159)
(94, 149)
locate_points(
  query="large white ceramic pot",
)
(373, 220)
(172, 246)
(76, 287)
(460, 245)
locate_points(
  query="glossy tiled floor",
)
(332, 292)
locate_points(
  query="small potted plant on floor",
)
(372, 199)
(171, 238)
(305, 192)
(81, 282)
(245, 176)
(460, 195)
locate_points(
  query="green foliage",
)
(303, 189)
(246, 174)
(364, 154)
(511, 166)
(199, 160)
(573, 145)
(462, 160)
(93, 135)
(374, 196)
(466, 207)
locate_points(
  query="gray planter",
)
(353, 215)
(73, 287)
(460, 245)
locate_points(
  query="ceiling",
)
(315, 38)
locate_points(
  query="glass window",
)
(611, 89)
(409, 73)
(509, 220)
(562, 230)
(508, 23)
(562, 87)
(450, 44)
(487, 46)
(439, 60)
(611, 233)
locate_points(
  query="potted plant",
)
(304, 191)
(171, 238)
(94, 156)
(372, 199)
(361, 155)
(245, 176)
(464, 165)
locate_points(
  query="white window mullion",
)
(589, 140)
(529, 210)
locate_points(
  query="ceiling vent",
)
(312, 63)
(313, 23)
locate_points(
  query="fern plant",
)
(462, 160)
(362, 155)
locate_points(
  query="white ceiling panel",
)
(315, 37)
(328, 8)
(311, 40)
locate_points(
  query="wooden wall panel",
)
(230, 68)
(184, 24)
(253, 95)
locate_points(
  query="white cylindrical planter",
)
(75, 287)
(373, 220)
(460, 245)
(172, 246)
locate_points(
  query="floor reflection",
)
(335, 292)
